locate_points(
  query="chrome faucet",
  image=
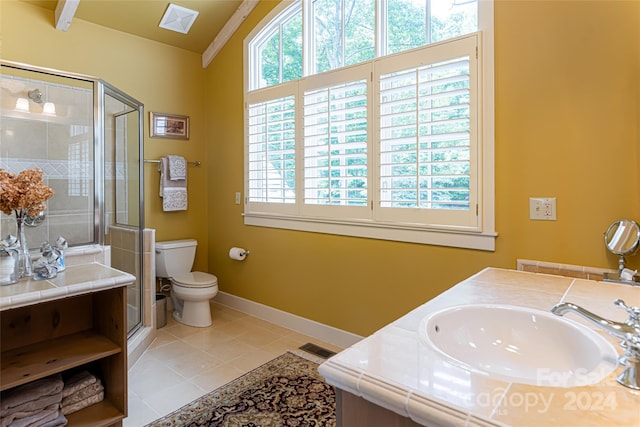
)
(628, 332)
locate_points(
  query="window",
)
(342, 33)
(372, 119)
(278, 49)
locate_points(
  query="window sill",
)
(452, 238)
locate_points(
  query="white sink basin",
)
(520, 345)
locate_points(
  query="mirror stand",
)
(621, 264)
(623, 238)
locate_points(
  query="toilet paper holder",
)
(238, 254)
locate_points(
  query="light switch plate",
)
(542, 208)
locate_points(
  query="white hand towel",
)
(173, 193)
(177, 168)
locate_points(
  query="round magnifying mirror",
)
(622, 237)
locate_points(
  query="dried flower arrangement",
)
(23, 193)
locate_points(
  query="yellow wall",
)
(566, 126)
(567, 113)
(165, 79)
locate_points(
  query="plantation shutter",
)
(271, 153)
(336, 139)
(428, 138)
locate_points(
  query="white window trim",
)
(453, 237)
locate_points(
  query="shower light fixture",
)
(22, 104)
(36, 96)
(49, 109)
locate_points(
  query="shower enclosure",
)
(86, 136)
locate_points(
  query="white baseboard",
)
(329, 334)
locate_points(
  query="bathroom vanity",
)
(396, 377)
(76, 320)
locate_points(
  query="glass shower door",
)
(123, 194)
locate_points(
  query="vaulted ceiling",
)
(216, 19)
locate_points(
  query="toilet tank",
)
(175, 257)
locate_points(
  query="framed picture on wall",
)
(169, 126)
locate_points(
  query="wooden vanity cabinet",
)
(87, 331)
(354, 411)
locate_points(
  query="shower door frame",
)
(103, 88)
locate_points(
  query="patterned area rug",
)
(287, 391)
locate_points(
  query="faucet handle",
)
(634, 312)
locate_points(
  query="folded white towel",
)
(77, 382)
(173, 193)
(33, 406)
(32, 396)
(177, 167)
(91, 400)
(6, 421)
(82, 394)
(58, 422)
(43, 416)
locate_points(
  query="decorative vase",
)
(8, 263)
(24, 267)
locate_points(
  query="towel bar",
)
(196, 163)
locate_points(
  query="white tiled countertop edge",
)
(427, 409)
(57, 292)
(423, 410)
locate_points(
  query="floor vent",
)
(317, 350)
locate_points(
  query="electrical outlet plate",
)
(542, 208)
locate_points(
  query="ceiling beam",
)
(65, 9)
(227, 31)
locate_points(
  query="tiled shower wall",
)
(147, 331)
(61, 145)
(125, 256)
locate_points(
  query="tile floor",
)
(184, 363)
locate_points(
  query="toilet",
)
(190, 290)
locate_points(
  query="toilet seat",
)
(195, 279)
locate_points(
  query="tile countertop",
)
(74, 280)
(394, 369)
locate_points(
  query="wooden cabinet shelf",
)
(87, 331)
(98, 415)
(42, 359)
